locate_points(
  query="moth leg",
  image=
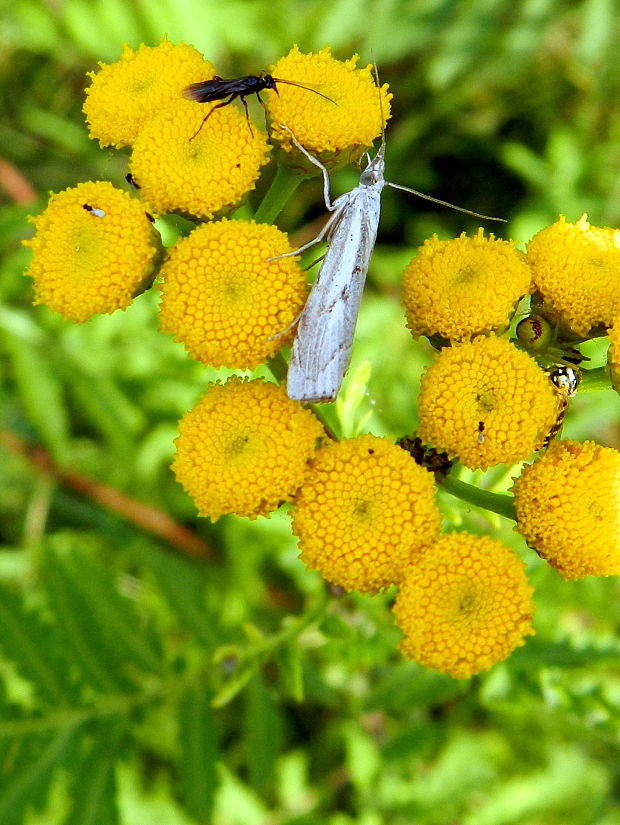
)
(314, 262)
(293, 323)
(318, 164)
(320, 237)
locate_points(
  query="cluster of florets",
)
(364, 509)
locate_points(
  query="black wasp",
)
(218, 88)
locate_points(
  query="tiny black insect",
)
(481, 429)
(93, 210)
(131, 180)
(218, 88)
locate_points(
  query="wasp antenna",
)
(303, 86)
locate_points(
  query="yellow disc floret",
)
(465, 606)
(203, 173)
(337, 130)
(244, 448)
(464, 286)
(486, 402)
(364, 512)
(576, 267)
(568, 508)
(93, 251)
(224, 300)
(125, 94)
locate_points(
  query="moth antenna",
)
(445, 203)
(415, 191)
(378, 82)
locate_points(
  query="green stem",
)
(291, 630)
(495, 502)
(282, 187)
(278, 367)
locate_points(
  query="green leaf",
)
(94, 785)
(263, 732)
(291, 667)
(26, 640)
(199, 750)
(99, 663)
(114, 613)
(183, 582)
(41, 393)
(105, 406)
(233, 686)
(27, 786)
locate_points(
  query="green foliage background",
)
(142, 684)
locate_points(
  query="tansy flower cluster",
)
(225, 300)
(583, 284)
(462, 287)
(486, 402)
(94, 249)
(568, 508)
(365, 509)
(244, 448)
(465, 606)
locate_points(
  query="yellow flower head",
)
(576, 267)
(464, 286)
(465, 606)
(244, 448)
(125, 94)
(202, 174)
(568, 508)
(338, 132)
(94, 250)
(613, 356)
(364, 512)
(224, 300)
(486, 403)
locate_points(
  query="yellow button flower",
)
(337, 132)
(94, 250)
(465, 606)
(486, 402)
(568, 508)
(244, 448)
(198, 176)
(576, 267)
(364, 512)
(125, 94)
(464, 286)
(224, 300)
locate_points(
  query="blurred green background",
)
(182, 672)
